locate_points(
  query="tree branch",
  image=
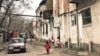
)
(3, 19)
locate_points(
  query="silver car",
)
(16, 44)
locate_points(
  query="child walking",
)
(47, 47)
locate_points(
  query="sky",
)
(32, 11)
(34, 5)
(23, 10)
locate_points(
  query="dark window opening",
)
(73, 20)
(86, 15)
(43, 30)
(46, 28)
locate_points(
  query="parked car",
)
(16, 44)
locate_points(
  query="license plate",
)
(16, 50)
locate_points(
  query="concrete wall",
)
(66, 29)
(55, 7)
(95, 12)
(87, 33)
(49, 4)
(55, 14)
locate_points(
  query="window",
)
(46, 28)
(86, 15)
(73, 20)
(43, 30)
(47, 14)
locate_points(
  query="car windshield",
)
(16, 41)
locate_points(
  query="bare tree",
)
(1, 1)
(29, 29)
(25, 3)
(4, 17)
(17, 24)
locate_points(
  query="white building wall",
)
(55, 33)
(62, 29)
(49, 31)
(85, 30)
(81, 39)
(66, 27)
(95, 12)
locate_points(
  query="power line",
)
(22, 15)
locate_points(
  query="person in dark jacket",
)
(47, 47)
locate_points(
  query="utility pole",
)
(78, 37)
(69, 39)
(78, 34)
(76, 2)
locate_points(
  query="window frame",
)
(86, 16)
(73, 19)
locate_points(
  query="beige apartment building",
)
(82, 32)
(63, 29)
(88, 24)
(77, 26)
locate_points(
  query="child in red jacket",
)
(47, 47)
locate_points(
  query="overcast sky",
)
(23, 10)
(34, 5)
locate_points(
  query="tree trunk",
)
(9, 23)
(1, 1)
(3, 19)
(30, 36)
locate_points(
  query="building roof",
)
(37, 9)
(43, 2)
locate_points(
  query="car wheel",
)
(24, 50)
(10, 52)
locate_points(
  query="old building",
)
(39, 20)
(88, 21)
(45, 20)
(74, 21)
(62, 13)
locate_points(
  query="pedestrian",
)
(47, 47)
(58, 43)
(52, 40)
